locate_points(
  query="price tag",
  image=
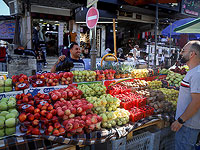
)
(43, 102)
(21, 85)
(26, 106)
(39, 82)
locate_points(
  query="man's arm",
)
(191, 110)
(61, 58)
(53, 69)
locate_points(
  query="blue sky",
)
(4, 10)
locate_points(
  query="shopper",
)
(107, 51)
(120, 54)
(187, 124)
(39, 58)
(130, 57)
(86, 52)
(75, 53)
(135, 51)
(36, 41)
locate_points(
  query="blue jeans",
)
(186, 138)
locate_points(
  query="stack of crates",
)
(167, 139)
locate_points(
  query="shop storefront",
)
(53, 28)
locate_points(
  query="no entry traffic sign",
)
(92, 17)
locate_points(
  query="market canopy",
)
(170, 29)
(190, 27)
(145, 2)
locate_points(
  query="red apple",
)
(35, 131)
(49, 116)
(35, 122)
(56, 132)
(50, 129)
(57, 125)
(54, 119)
(43, 112)
(37, 110)
(37, 115)
(22, 117)
(61, 131)
(31, 117)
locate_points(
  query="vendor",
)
(75, 53)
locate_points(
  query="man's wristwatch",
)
(181, 121)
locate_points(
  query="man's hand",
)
(176, 126)
(61, 58)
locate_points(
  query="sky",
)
(4, 10)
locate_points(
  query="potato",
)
(155, 106)
(160, 105)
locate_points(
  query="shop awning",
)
(190, 27)
(145, 2)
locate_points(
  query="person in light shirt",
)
(187, 120)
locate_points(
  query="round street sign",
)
(92, 17)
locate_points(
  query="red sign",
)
(92, 17)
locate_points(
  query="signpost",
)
(91, 2)
(92, 18)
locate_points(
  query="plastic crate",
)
(144, 141)
(139, 102)
(148, 110)
(119, 144)
(167, 139)
(126, 105)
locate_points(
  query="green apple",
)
(11, 122)
(10, 131)
(2, 132)
(4, 113)
(3, 106)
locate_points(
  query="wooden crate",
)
(156, 122)
(64, 147)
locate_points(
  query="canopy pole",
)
(170, 37)
(156, 32)
(114, 37)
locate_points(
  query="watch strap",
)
(181, 121)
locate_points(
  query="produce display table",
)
(46, 142)
(129, 120)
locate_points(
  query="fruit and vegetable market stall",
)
(85, 107)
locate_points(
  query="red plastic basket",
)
(126, 105)
(147, 110)
(139, 102)
(136, 116)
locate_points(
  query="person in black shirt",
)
(78, 64)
